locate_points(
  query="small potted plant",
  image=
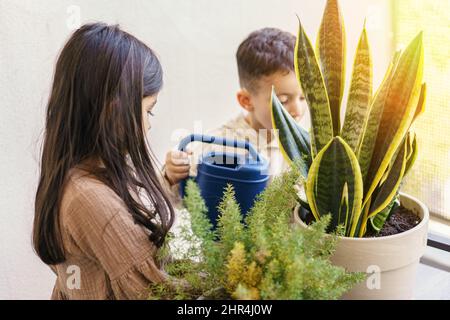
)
(264, 258)
(354, 171)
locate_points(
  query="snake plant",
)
(352, 171)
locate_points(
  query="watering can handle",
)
(220, 141)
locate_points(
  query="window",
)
(430, 178)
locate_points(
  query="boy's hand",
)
(177, 166)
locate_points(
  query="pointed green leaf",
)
(398, 112)
(379, 220)
(343, 207)
(360, 94)
(370, 132)
(412, 156)
(386, 173)
(387, 191)
(331, 48)
(293, 139)
(421, 104)
(334, 185)
(311, 81)
(384, 194)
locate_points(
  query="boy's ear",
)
(244, 99)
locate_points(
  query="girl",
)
(101, 213)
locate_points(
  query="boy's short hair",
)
(263, 53)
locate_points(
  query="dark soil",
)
(401, 220)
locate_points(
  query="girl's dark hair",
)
(95, 112)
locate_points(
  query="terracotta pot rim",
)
(420, 225)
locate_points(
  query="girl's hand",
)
(177, 166)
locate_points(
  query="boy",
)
(264, 58)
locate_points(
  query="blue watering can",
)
(247, 173)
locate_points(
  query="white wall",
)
(196, 41)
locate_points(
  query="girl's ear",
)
(245, 100)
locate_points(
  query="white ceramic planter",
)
(390, 262)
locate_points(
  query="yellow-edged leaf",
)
(398, 112)
(331, 49)
(335, 179)
(311, 81)
(360, 94)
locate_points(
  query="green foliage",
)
(296, 141)
(203, 239)
(334, 172)
(230, 227)
(355, 171)
(267, 257)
